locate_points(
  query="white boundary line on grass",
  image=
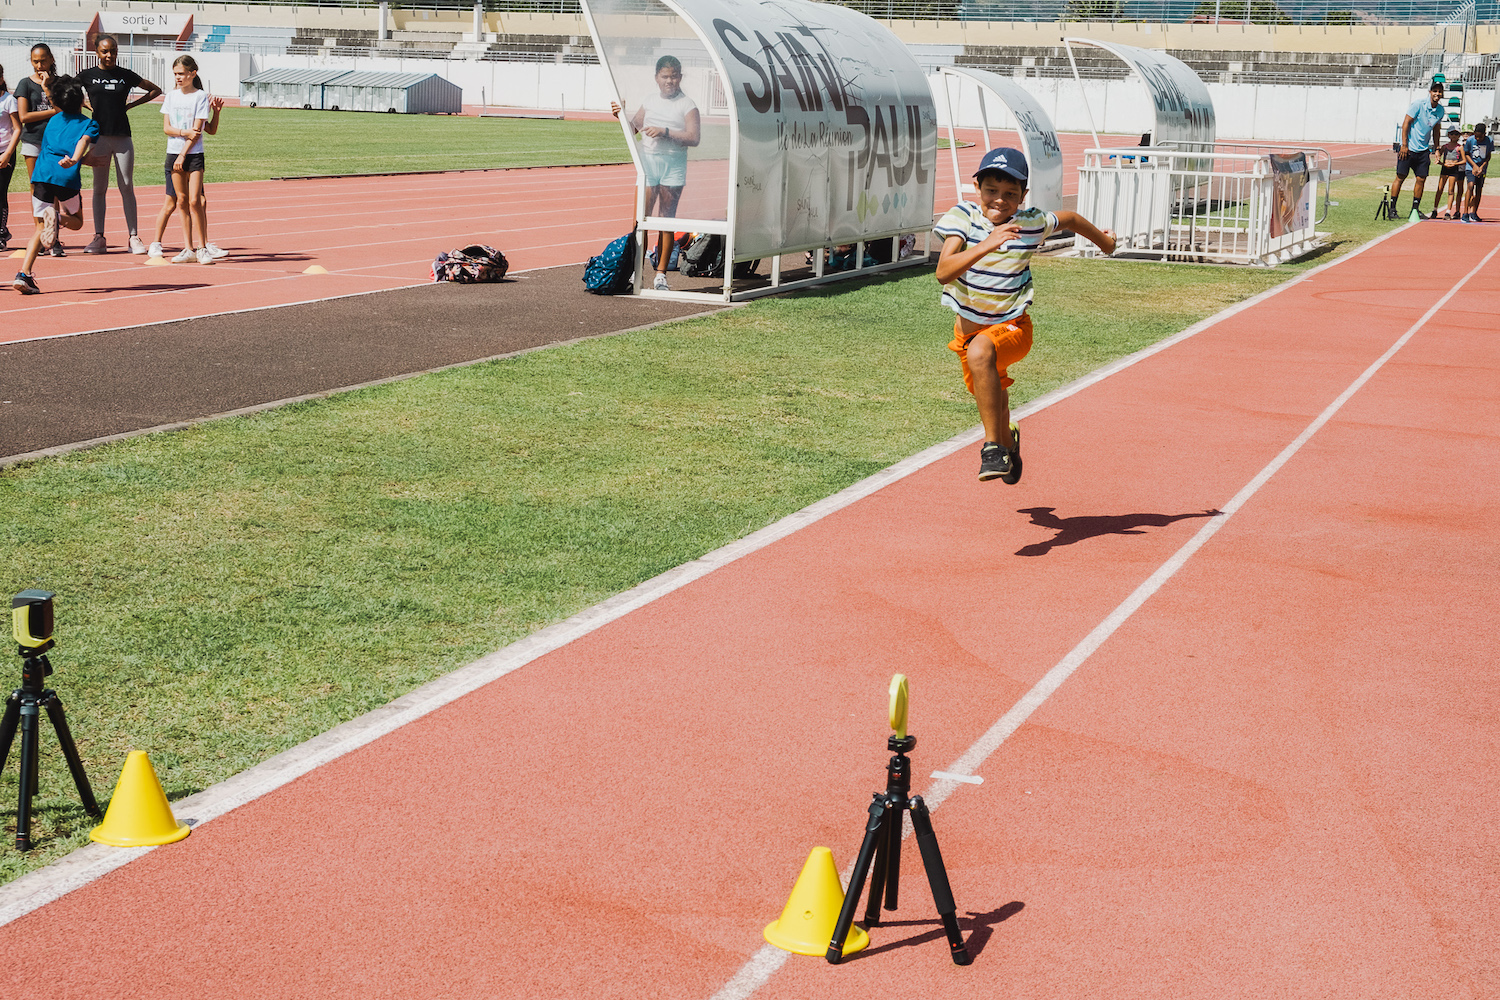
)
(93, 861)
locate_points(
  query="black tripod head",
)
(35, 669)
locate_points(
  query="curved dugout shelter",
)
(998, 101)
(1183, 110)
(818, 128)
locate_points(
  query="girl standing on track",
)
(186, 111)
(35, 109)
(10, 139)
(670, 124)
(108, 86)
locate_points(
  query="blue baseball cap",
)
(1007, 161)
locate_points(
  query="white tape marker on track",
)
(756, 972)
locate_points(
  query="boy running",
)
(56, 180)
(985, 271)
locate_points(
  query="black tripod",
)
(883, 843)
(1387, 203)
(24, 707)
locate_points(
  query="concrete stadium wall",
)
(546, 86)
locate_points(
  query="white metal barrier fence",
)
(1237, 203)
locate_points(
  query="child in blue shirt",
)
(56, 180)
(1479, 149)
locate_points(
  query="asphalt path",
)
(64, 391)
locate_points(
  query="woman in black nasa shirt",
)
(108, 86)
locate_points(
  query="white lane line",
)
(95, 860)
(761, 966)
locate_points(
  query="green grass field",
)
(229, 591)
(259, 143)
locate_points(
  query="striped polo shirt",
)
(998, 287)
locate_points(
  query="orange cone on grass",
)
(138, 814)
(806, 924)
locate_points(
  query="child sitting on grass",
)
(985, 271)
(56, 180)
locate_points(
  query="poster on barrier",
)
(1291, 194)
(831, 129)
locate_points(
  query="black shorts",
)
(1414, 163)
(1477, 183)
(190, 163)
(1456, 171)
(44, 194)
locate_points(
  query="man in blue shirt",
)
(1479, 149)
(1419, 134)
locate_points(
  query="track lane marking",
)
(768, 959)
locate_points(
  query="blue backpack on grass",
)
(613, 271)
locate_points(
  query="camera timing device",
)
(31, 620)
(31, 624)
(882, 844)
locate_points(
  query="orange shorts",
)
(1012, 340)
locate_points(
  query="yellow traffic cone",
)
(138, 814)
(806, 925)
(316, 269)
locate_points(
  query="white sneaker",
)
(214, 251)
(49, 227)
(186, 257)
(660, 284)
(97, 244)
(138, 247)
(204, 256)
(155, 251)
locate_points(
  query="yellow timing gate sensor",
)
(900, 693)
(31, 618)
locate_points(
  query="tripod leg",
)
(893, 833)
(30, 723)
(8, 726)
(70, 751)
(878, 810)
(937, 877)
(877, 873)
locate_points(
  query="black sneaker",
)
(57, 250)
(24, 284)
(994, 462)
(1391, 212)
(1013, 477)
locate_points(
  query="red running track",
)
(1276, 777)
(368, 233)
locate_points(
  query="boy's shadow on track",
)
(1076, 529)
(977, 929)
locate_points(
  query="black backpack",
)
(704, 258)
(613, 271)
